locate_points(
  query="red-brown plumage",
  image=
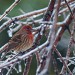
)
(22, 40)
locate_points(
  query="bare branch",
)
(9, 9)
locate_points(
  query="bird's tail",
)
(5, 49)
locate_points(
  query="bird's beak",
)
(33, 30)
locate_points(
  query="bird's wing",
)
(15, 40)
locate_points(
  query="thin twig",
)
(9, 9)
(27, 67)
(58, 53)
(69, 7)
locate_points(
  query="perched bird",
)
(21, 40)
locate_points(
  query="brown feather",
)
(21, 41)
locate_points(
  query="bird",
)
(21, 41)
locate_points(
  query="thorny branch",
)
(48, 24)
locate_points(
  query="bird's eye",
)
(28, 28)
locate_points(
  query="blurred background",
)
(28, 6)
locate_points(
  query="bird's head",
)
(27, 29)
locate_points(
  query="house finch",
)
(21, 41)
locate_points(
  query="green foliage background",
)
(27, 6)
